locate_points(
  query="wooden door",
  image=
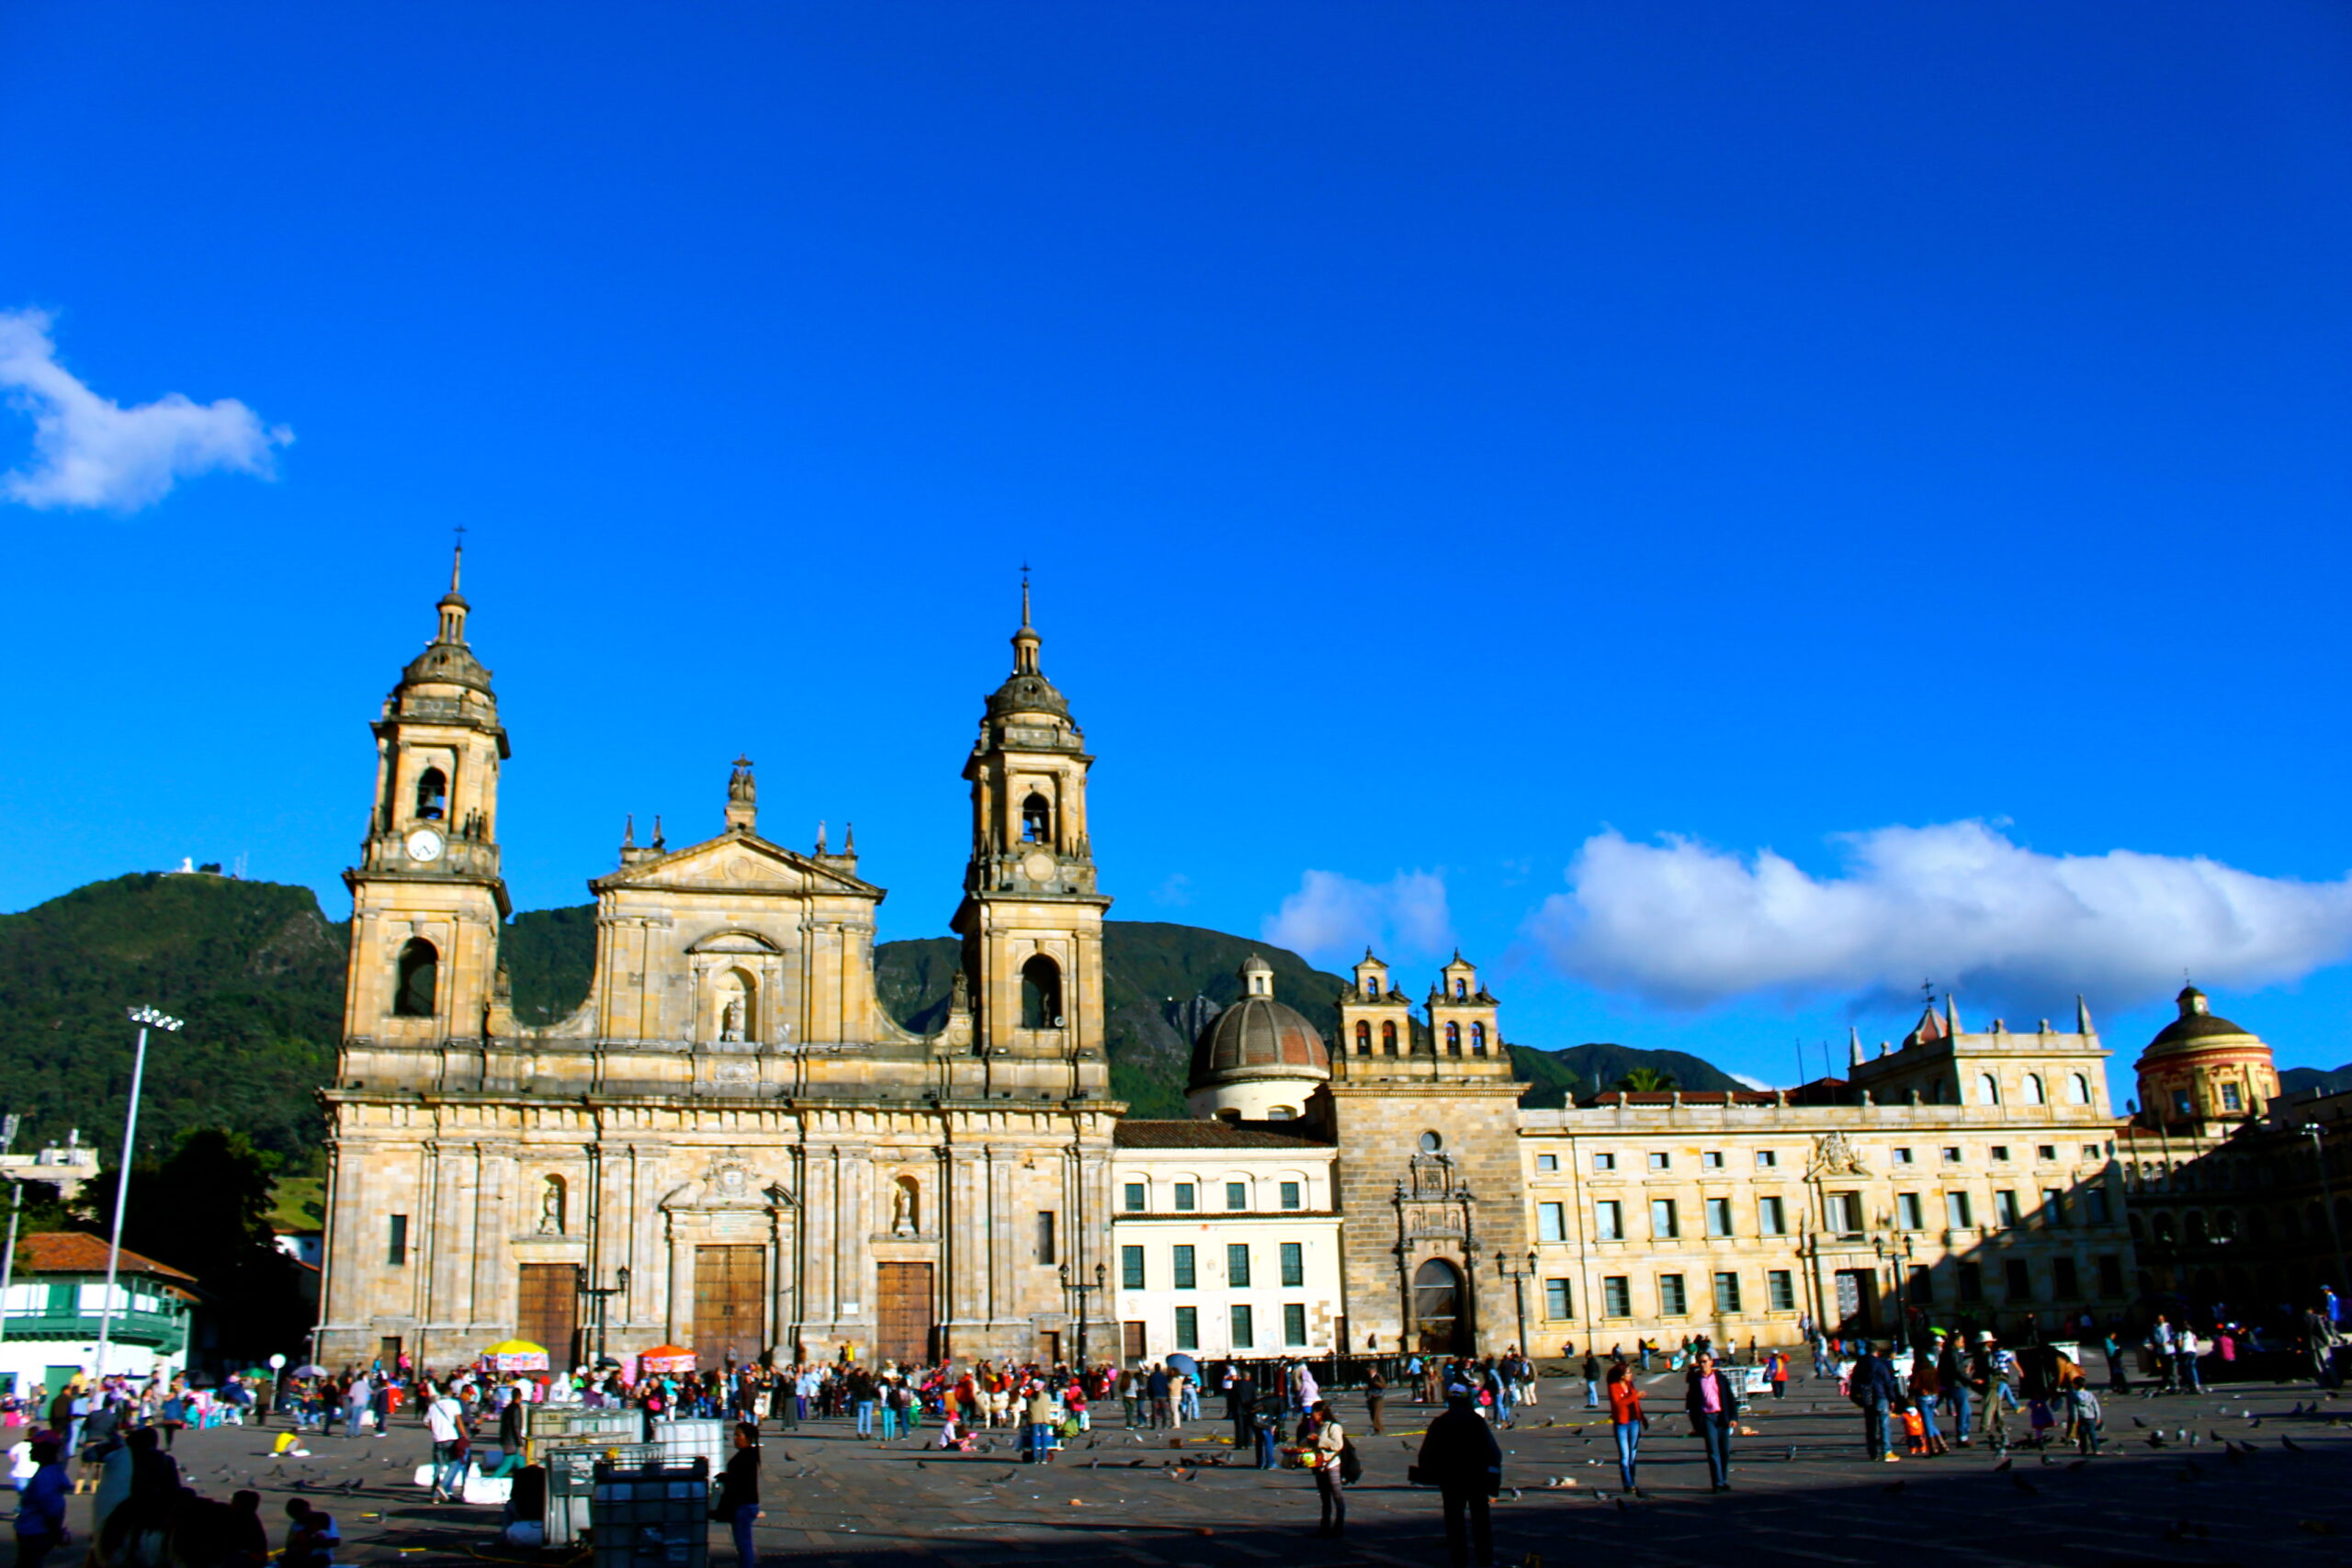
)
(1857, 1299)
(903, 1295)
(1131, 1342)
(546, 1310)
(1049, 1348)
(731, 1305)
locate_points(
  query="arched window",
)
(1372, 988)
(1041, 994)
(2033, 1095)
(1461, 989)
(417, 977)
(1478, 1040)
(431, 795)
(1988, 1091)
(1452, 1039)
(1036, 820)
(1364, 1038)
(2078, 1089)
(2164, 1230)
(1388, 1039)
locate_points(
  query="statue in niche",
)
(730, 1019)
(959, 993)
(902, 1208)
(551, 1207)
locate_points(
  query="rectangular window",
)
(1237, 1195)
(1972, 1284)
(1772, 1217)
(1903, 1157)
(1188, 1328)
(1673, 1301)
(1551, 1221)
(1766, 1158)
(1237, 1264)
(1660, 1160)
(2016, 1279)
(2090, 1151)
(1244, 1329)
(1558, 1306)
(1719, 1216)
(1617, 1296)
(1662, 1222)
(1138, 1195)
(2065, 1278)
(1294, 1323)
(2047, 1153)
(1923, 1292)
(2004, 1207)
(1957, 1212)
(1131, 1267)
(1609, 1220)
(2000, 1151)
(1290, 1195)
(1726, 1292)
(1712, 1159)
(2111, 1275)
(2181, 1104)
(1184, 1274)
(1908, 1214)
(2053, 1207)
(1951, 1154)
(396, 1245)
(1547, 1162)
(1294, 1264)
(2095, 1204)
(1186, 1197)
(1844, 1213)
(2230, 1100)
(1046, 1237)
(1781, 1290)
(1604, 1162)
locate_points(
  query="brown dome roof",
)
(2196, 1025)
(1259, 1037)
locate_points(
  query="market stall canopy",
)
(666, 1359)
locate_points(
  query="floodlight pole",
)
(145, 1018)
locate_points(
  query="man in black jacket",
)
(1713, 1403)
(1240, 1399)
(1875, 1387)
(1462, 1460)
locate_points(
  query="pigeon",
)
(2292, 1446)
(2217, 1436)
(2137, 1422)
(1621, 1503)
(2156, 1440)
(2298, 1410)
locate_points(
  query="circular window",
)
(1432, 1143)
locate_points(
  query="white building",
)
(1225, 1233)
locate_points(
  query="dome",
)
(1258, 1037)
(1027, 694)
(2196, 1026)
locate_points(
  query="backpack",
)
(1351, 1463)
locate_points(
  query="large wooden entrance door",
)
(1857, 1298)
(546, 1310)
(1131, 1342)
(1438, 1310)
(903, 1293)
(730, 1302)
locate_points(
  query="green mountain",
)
(2314, 1080)
(252, 968)
(1577, 1072)
(256, 971)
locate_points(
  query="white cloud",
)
(1959, 904)
(90, 451)
(1334, 917)
(1752, 1083)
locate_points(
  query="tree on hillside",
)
(1646, 1080)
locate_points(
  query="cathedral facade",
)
(731, 1144)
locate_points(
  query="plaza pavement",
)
(1803, 1494)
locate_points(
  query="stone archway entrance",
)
(1440, 1310)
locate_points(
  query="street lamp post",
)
(1081, 1290)
(146, 1018)
(2326, 1195)
(1518, 1278)
(600, 1295)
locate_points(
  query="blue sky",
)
(1726, 512)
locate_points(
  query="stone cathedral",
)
(729, 1145)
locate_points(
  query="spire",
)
(849, 840)
(628, 831)
(820, 836)
(1025, 641)
(453, 606)
(1853, 1046)
(1951, 1016)
(2083, 1016)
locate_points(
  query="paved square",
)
(1803, 1494)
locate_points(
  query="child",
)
(2087, 1417)
(1914, 1430)
(2041, 1421)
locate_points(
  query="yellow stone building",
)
(731, 1144)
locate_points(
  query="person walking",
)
(1159, 1388)
(1712, 1400)
(1627, 1422)
(739, 1493)
(2188, 1347)
(1461, 1457)
(2084, 1415)
(1376, 1395)
(1240, 1408)
(1328, 1441)
(1872, 1386)
(1037, 1414)
(40, 1505)
(444, 1419)
(1591, 1380)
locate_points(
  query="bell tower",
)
(427, 898)
(1031, 919)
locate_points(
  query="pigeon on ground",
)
(2292, 1446)
(2137, 1422)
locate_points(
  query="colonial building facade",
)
(731, 1146)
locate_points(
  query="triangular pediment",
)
(737, 862)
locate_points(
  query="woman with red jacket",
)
(1625, 1418)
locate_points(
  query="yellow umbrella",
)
(516, 1348)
